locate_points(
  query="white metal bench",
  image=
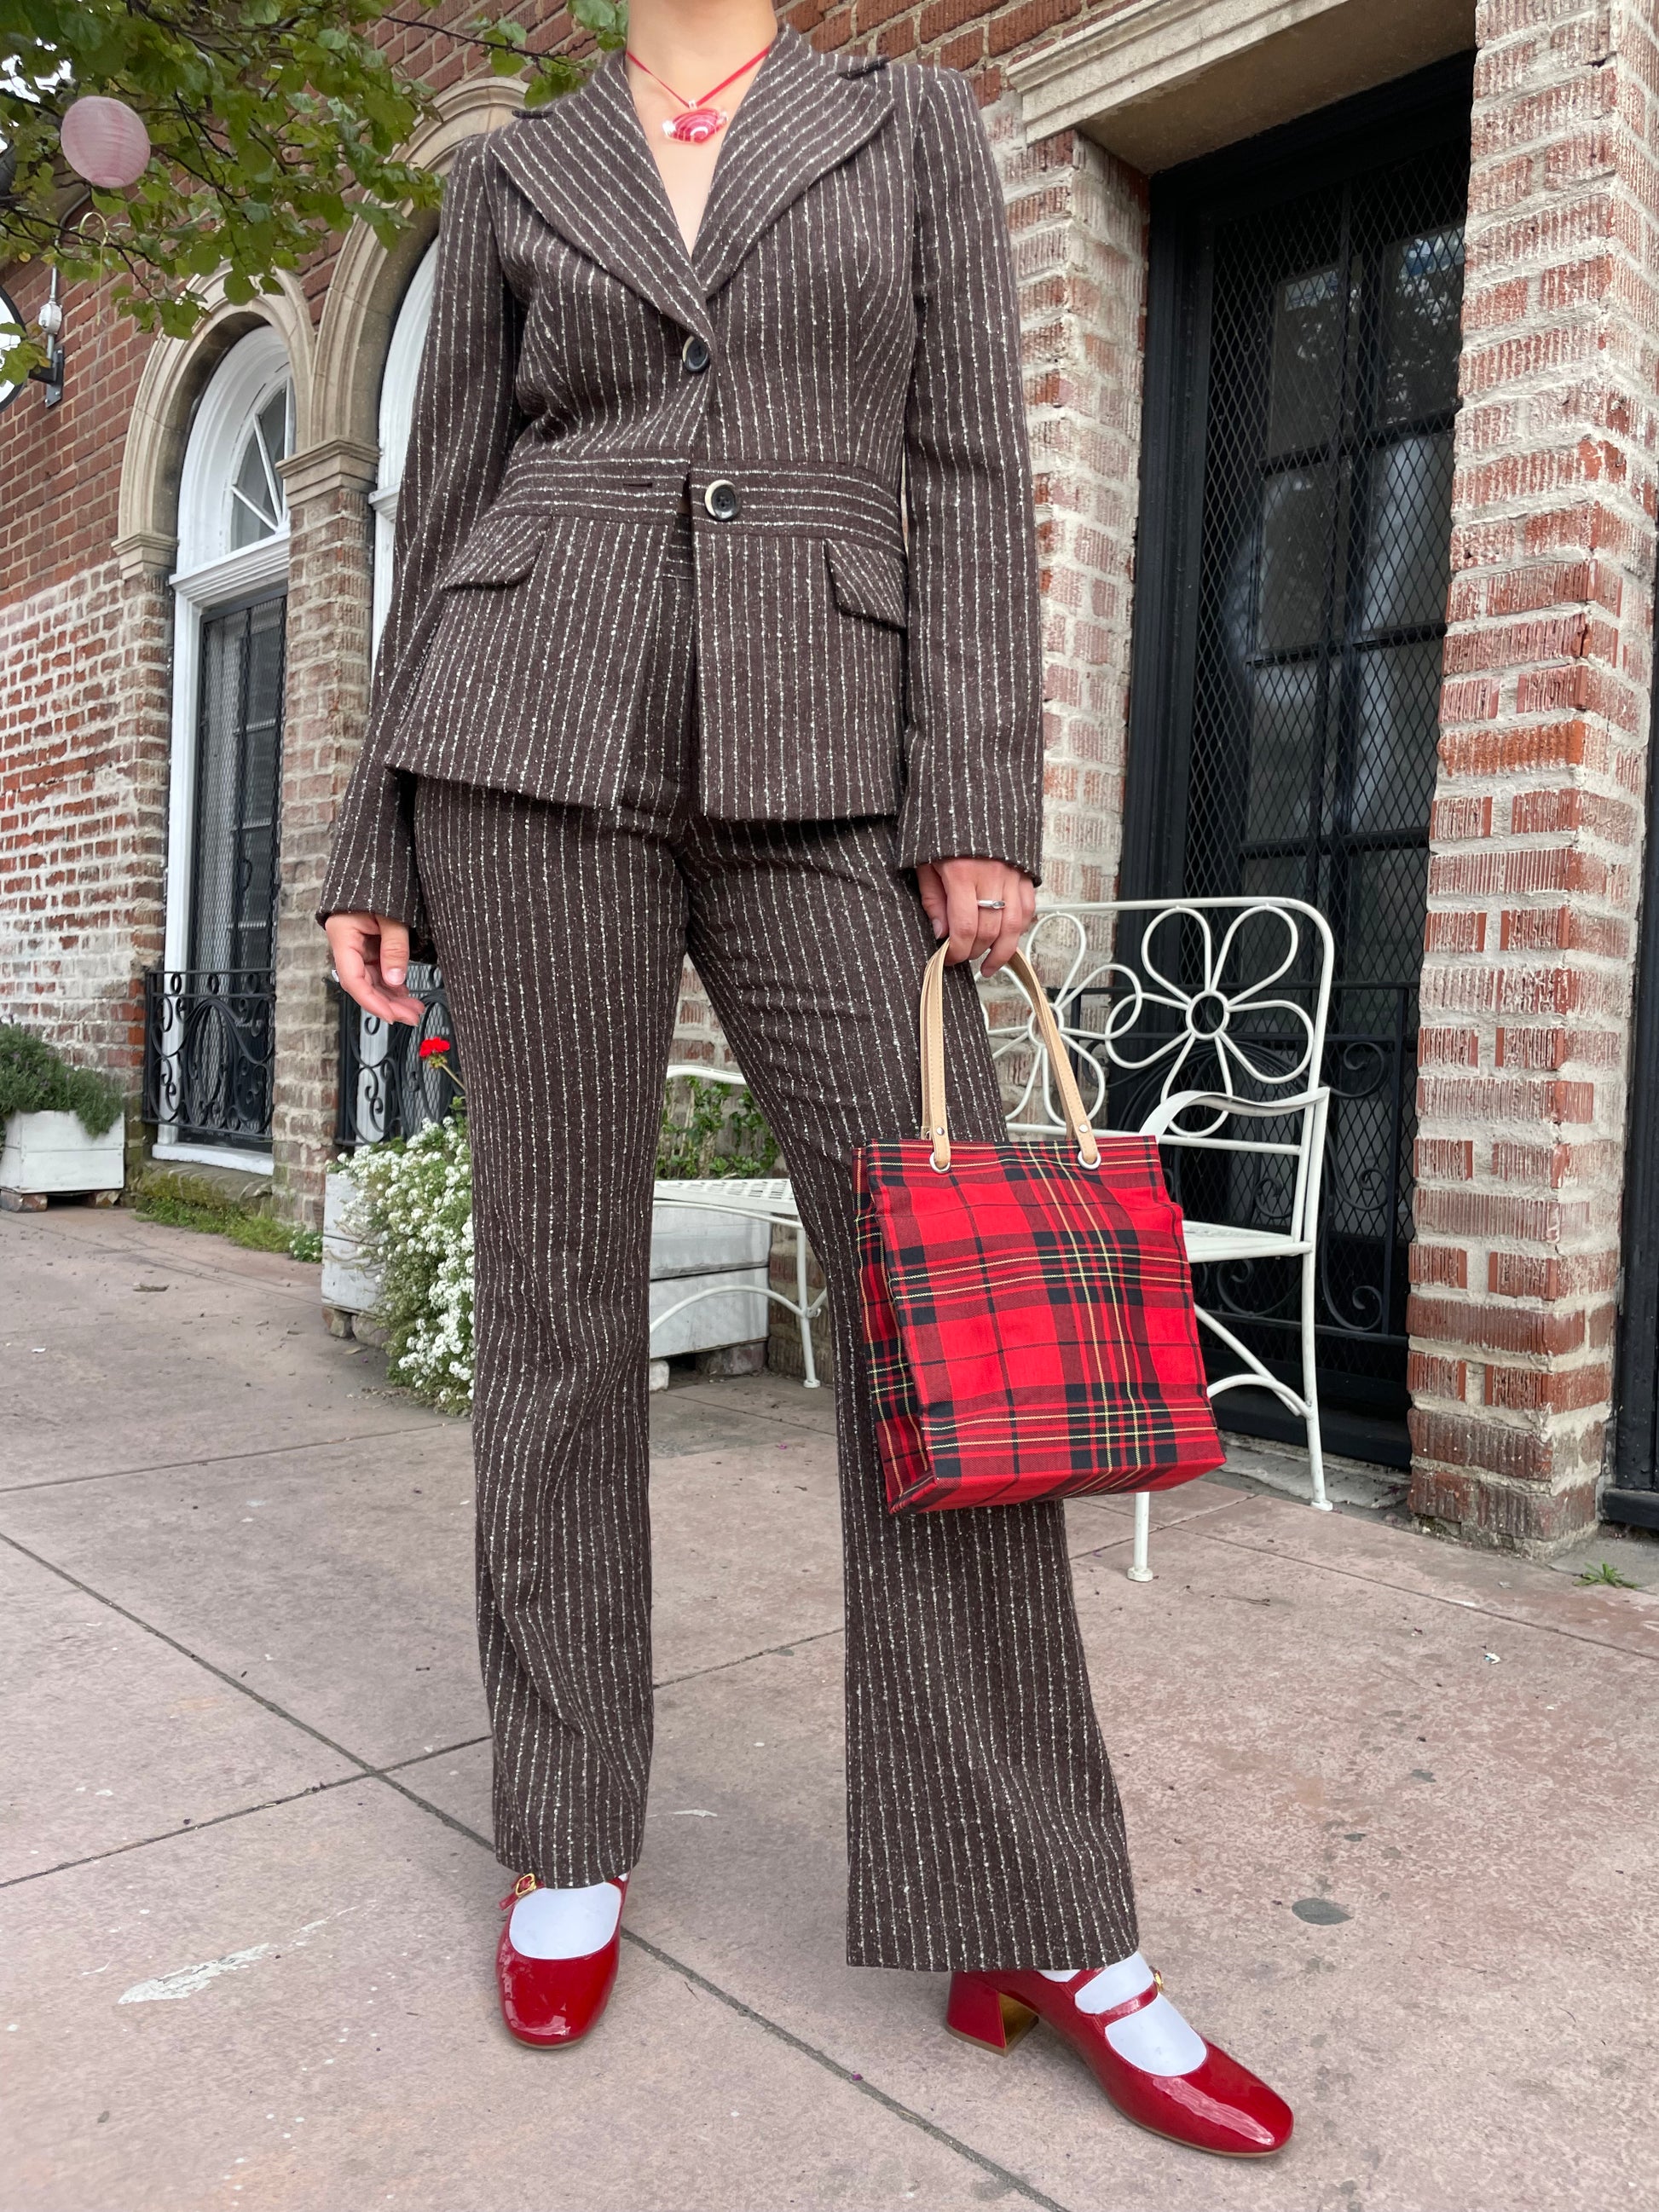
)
(1199, 1021)
(758, 1198)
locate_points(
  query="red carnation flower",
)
(434, 1048)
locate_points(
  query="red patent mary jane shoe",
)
(1219, 2106)
(552, 2001)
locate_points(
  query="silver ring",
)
(991, 906)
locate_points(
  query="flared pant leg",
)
(561, 944)
(984, 1827)
(983, 1824)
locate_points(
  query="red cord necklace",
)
(699, 120)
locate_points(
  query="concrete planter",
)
(46, 1154)
(351, 1284)
(712, 1266)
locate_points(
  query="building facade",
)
(1341, 347)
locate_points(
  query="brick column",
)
(1078, 220)
(329, 612)
(1537, 827)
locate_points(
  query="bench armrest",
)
(1157, 1123)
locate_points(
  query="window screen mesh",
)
(1329, 324)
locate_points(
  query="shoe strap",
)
(526, 1882)
(1139, 2003)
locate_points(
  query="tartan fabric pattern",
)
(1028, 1324)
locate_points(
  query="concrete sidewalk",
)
(1391, 1806)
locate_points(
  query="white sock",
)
(565, 1924)
(1157, 2039)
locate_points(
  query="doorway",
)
(1304, 340)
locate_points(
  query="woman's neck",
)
(692, 44)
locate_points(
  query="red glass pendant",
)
(696, 124)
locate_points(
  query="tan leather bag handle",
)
(934, 1123)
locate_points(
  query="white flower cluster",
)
(414, 1211)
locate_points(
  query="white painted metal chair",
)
(757, 1198)
(1201, 1023)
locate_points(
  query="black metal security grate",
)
(209, 1036)
(386, 1088)
(209, 1027)
(239, 757)
(1298, 527)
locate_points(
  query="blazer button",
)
(694, 353)
(721, 500)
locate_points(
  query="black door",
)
(220, 1012)
(1303, 353)
(1632, 1495)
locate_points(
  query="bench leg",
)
(1138, 1570)
(802, 1303)
(1310, 1385)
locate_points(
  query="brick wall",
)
(83, 716)
(1078, 222)
(83, 705)
(1537, 830)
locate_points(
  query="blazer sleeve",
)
(463, 423)
(974, 781)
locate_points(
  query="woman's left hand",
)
(952, 892)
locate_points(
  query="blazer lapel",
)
(584, 164)
(803, 114)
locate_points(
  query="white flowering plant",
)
(413, 1209)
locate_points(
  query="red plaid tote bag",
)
(1028, 1308)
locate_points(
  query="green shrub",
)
(36, 1079)
(713, 1129)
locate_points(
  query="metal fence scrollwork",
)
(209, 1037)
(386, 1088)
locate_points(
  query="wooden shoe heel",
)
(979, 2011)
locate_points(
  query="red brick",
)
(1539, 1333)
(1548, 1390)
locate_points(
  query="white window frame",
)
(402, 364)
(212, 574)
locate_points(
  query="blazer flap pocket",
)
(869, 581)
(500, 549)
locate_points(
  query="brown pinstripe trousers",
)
(984, 1827)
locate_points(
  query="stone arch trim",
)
(175, 373)
(368, 282)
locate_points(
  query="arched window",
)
(258, 506)
(212, 1015)
(403, 363)
(230, 493)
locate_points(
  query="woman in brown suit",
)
(715, 629)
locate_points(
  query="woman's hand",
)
(371, 958)
(952, 891)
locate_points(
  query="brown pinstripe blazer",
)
(852, 287)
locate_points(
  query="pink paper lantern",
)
(105, 141)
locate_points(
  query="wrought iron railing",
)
(386, 1088)
(209, 1043)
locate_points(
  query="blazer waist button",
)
(721, 500)
(694, 353)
